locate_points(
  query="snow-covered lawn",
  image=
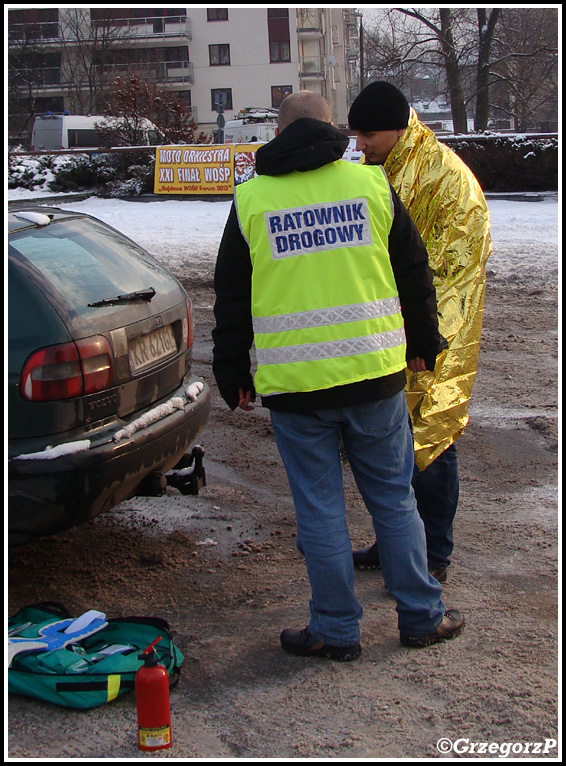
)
(525, 232)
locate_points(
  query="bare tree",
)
(174, 118)
(91, 46)
(486, 29)
(424, 43)
(503, 60)
(397, 49)
(457, 101)
(441, 24)
(525, 69)
(133, 100)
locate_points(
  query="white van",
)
(251, 126)
(71, 131)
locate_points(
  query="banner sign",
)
(244, 162)
(203, 169)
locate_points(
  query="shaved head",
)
(304, 103)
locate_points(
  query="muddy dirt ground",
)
(223, 570)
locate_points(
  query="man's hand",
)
(417, 364)
(245, 399)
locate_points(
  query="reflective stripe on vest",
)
(325, 306)
(333, 315)
(308, 352)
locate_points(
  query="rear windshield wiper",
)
(139, 295)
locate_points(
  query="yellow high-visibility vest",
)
(325, 306)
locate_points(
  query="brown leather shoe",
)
(367, 558)
(451, 626)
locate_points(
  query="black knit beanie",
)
(380, 106)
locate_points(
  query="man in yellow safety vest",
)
(321, 267)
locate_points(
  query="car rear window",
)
(87, 262)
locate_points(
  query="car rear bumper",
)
(50, 494)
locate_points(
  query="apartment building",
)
(67, 58)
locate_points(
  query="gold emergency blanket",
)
(448, 207)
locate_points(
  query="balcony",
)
(312, 68)
(351, 19)
(150, 28)
(44, 78)
(309, 23)
(178, 71)
(140, 28)
(165, 72)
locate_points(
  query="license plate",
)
(146, 351)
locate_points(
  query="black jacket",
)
(306, 145)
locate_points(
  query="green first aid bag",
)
(82, 662)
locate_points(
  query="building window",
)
(219, 55)
(183, 95)
(279, 52)
(38, 68)
(278, 34)
(33, 24)
(217, 14)
(173, 57)
(278, 93)
(222, 97)
(51, 69)
(53, 104)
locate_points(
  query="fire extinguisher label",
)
(155, 737)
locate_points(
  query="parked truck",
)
(252, 125)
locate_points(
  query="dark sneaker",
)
(451, 626)
(439, 573)
(303, 644)
(367, 558)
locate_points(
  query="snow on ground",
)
(525, 232)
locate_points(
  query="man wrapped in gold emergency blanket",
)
(448, 207)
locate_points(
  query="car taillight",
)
(96, 362)
(68, 370)
(191, 323)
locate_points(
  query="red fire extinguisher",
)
(152, 702)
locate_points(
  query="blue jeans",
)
(380, 450)
(437, 491)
